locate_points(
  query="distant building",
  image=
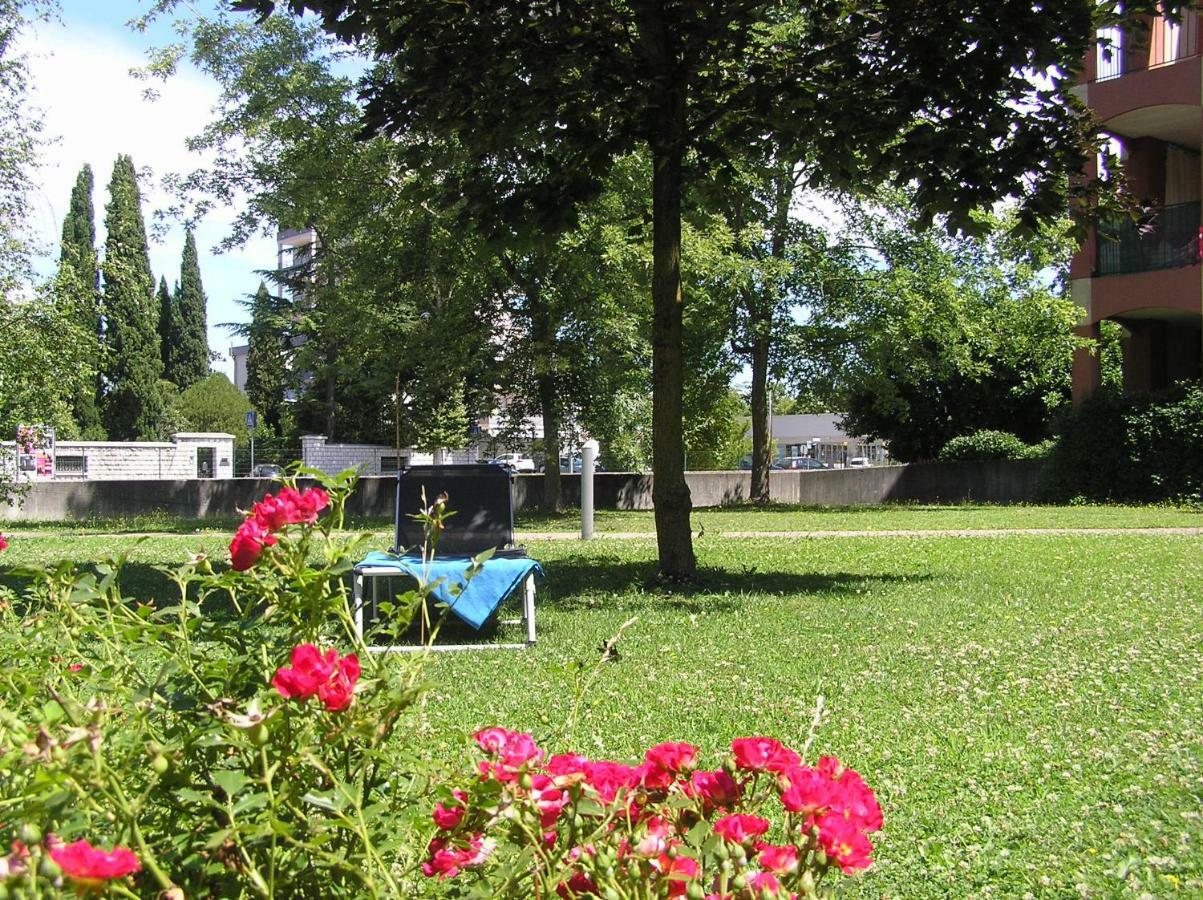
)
(187, 455)
(820, 437)
(1145, 89)
(239, 354)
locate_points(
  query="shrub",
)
(985, 444)
(239, 740)
(1131, 449)
(523, 825)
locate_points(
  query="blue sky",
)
(94, 110)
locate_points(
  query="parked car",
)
(746, 464)
(859, 462)
(267, 470)
(515, 462)
(804, 462)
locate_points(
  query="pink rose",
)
(717, 789)
(843, 842)
(3, 543)
(763, 754)
(248, 544)
(90, 867)
(809, 791)
(315, 674)
(778, 860)
(740, 829)
(674, 757)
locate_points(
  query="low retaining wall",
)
(978, 482)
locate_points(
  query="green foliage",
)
(718, 440)
(186, 360)
(267, 358)
(1140, 448)
(153, 724)
(986, 444)
(133, 405)
(79, 288)
(214, 404)
(44, 363)
(20, 142)
(925, 338)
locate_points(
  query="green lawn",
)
(890, 517)
(1029, 708)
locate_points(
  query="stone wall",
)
(370, 459)
(122, 461)
(978, 482)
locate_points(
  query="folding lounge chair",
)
(482, 498)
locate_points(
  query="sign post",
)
(252, 421)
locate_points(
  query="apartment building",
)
(1146, 89)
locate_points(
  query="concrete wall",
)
(979, 482)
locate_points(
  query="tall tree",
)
(133, 403)
(267, 359)
(79, 276)
(20, 143)
(543, 97)
(168, 325)
(190, 345)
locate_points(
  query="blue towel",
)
(483, 594)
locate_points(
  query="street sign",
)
(252, 420)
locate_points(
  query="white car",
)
(859, 462)
(515, 462)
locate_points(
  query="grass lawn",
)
(1029, 708)
(888, 517)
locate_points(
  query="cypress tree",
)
(190, 339)
(167, 326)
(133, 406)
(79, 281)
(267, 359)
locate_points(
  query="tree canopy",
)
(541, 98)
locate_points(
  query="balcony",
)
(1166, 238)
(1163, 44)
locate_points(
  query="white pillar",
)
(588, 463)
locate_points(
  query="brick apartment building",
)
(1148, 96)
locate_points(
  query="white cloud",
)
(95, 110)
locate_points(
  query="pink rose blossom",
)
(315, 674)
(763, 754)
(248, 544)
(717, 789)
(740, 829)
(843, 842)
(90, 866)
(778, 860)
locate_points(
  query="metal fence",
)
(1164, 239)
(1164, 43)
(264, 456)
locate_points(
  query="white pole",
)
(588, 463)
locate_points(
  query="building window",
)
(71, 465)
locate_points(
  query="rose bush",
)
(236, 740)
(531, 825)
(240, 739)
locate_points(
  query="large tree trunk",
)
(670, 493)
(762, 440)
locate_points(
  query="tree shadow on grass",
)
(581, 582)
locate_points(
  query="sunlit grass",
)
(1029, 708)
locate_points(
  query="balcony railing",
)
(1166, 42)
(1165, 238)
